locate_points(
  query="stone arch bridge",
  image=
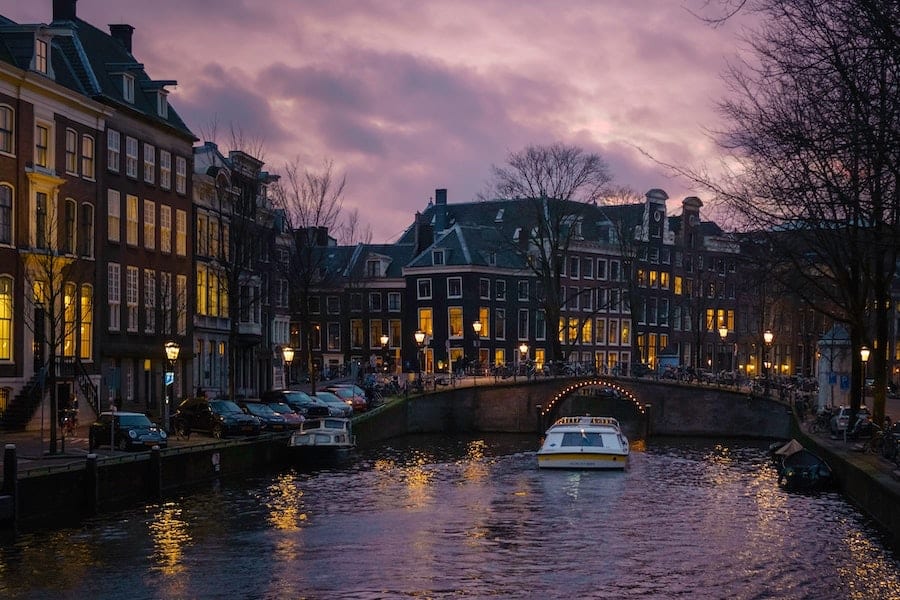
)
(643, 406)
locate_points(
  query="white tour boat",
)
(323, 434)
(584, 443)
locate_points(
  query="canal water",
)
(453, 517)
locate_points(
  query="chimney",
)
(64, 10)
(122, 33)
(440, 209)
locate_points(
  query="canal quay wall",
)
(54, 494)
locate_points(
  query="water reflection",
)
(447, 517)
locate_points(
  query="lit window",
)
(40, 56)
(165, 228)
(6, 317)
(165, 169)
(149, 224)
(131, 216)
(87, 323)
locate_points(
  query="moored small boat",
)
(798, 468)
(584, 443)
(324, 434)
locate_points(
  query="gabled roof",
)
(90, 62)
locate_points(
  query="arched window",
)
(6, 317)
(68, 240)
(70, 314)
(87, 156)
(6, 214)
(87, 323)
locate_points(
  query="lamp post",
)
(723, 333)
(420, 345)
(384, 339)
(172, 350)
(287, 353)
(864, 357)
(768, 338)
(523, 356)
(476, 327)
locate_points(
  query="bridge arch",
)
(549, 412)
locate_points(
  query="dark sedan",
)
(219, 418)
(300, 402)
(126, 431)
(292, 419)
(269, 419)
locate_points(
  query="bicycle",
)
(822, 422)
(875, 442)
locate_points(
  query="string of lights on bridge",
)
(592, 383)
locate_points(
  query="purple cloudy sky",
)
(406, 96)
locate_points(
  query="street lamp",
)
(420, 345)
(384, 350)
(723, 333)
(287, 353)
(768, 338)
(172, 350)
(864, 357)
(476, 327)
(523, 353)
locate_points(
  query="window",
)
(113, 287)
(180, 232)
(131, 216)
(87, 157)
(149, 163)
(423, 289)
(356, 333)
(70, 312)
(522, 290)
(41, 50)
(587, 268)
(6, 213)
(500, 289)
(149, 224)
(455, 321)
(131, 156)
(356, 302)
(373, 267)
(523, 324)
(601, 268)
(68, 232)
(86, 337)
(165, 295)
(41, 224)
(113, 150)
(42, 145)
(201, 290)
(128, 88)
(7, 137)
(454, 287)
(314, 306)
(180, 174)
(165, 228)
(6, 317)
(149, 300)
(394, 301)
(71, 151)
(500, 324)
(131, 297)
(181, 303)
(113, 215)
(540, 325)
(437, 257)
(375, 301)
(162, 104)
(484, 289)
(574, 264)
(333, 304)
(165, 169)
(426, 321)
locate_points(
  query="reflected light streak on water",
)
(444, 517)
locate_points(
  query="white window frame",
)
(131, 297)
(113, 215)
(113, 150)
(114, 295)
(149, 224)
(165, 169)
(165, 228)
(149, 163)
(131, 157)
(180, 175)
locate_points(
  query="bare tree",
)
(812, 139)
(557, 186)
(312, 203)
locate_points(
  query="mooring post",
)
(91, 485)
(10, 491)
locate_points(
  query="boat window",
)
(582, 438)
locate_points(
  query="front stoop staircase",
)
(21, 410)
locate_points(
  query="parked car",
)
(126, 431)
(292, 419)
(841, 417)
(348, 394)
(219, 418)
(300, 402)
(339, 408)
(269, 420)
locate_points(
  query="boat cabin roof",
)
(587, 420)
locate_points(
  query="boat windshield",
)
(582, 438)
